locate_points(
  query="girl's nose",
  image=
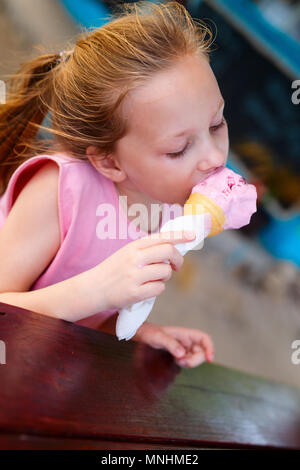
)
(213, 160)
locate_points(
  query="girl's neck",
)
(148, 224)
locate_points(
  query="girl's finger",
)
(192, 360)
(208, 346)
(172, 345)
(156, 272)
(161, 253)
(187, 343)
(202, 338)
(175, 237)
(181, 334)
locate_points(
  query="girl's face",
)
(177, 134)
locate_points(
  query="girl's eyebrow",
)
(221, 103)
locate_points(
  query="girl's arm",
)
(29, 240)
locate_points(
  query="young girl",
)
(136, 112)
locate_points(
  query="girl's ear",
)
(107, 165)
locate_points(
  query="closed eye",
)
(215, 128)
(178, 154)
(182, 152)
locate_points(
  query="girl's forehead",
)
(172, 98)
(186, 74)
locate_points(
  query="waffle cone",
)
(199, 204)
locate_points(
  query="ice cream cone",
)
(199, 204)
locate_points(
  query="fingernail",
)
(190, 234)
(179, 352)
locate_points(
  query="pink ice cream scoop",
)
(227, 197)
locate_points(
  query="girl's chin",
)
(177, 202)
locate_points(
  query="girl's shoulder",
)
(75, 178)
(80, 185)
(70, 168)
(60, 158)
(24, 173)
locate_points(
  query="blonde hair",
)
(83, 89)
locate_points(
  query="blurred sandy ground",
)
(231, 288)
(25, 24)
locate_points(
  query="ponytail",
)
(27, 104)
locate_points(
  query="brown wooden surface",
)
(27, 442)
(62, 381)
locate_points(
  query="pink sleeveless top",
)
(93, 224)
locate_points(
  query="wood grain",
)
(63, 381)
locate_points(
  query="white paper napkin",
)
(131, 318)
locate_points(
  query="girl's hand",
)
(136, 271)
(195, 345)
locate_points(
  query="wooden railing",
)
(65, 386)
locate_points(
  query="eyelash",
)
(182, 152)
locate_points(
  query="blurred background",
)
(243, 287)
